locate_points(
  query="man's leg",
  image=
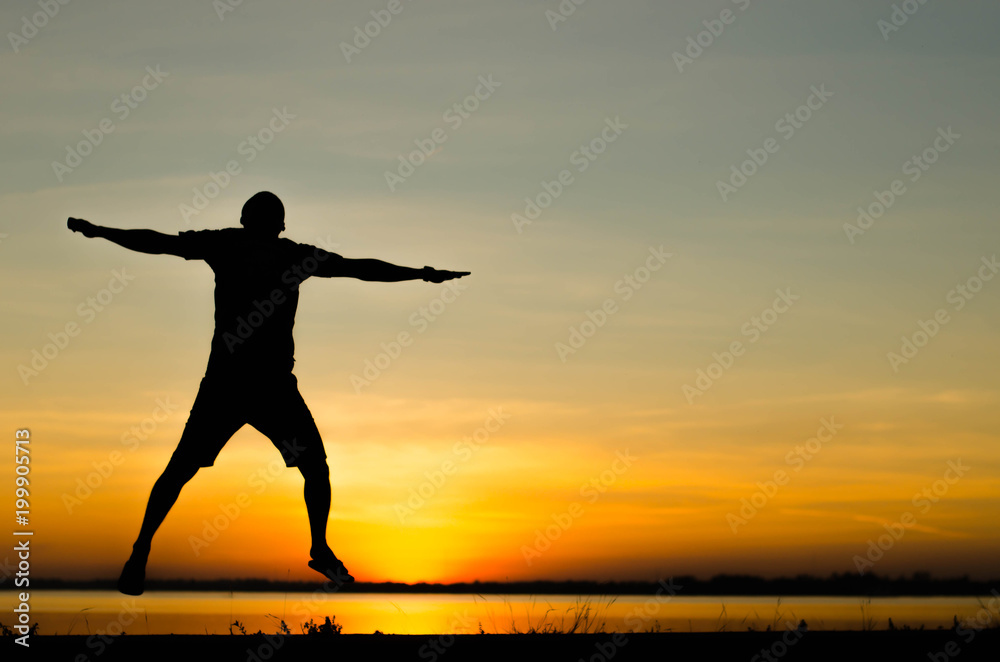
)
(316, 474)
(216, 415)
(162, 497)
(287, 422)
(317, 495)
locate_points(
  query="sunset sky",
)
(533, 452)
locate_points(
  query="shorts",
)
(270, 403)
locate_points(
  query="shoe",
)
(332, 568)
(132, 578)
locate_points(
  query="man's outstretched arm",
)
(143, 241)
(377, 270)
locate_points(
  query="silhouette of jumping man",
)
(249, 376)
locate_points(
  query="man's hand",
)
(87, 228)
(439, 275)
(142, 241)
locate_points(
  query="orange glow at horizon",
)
(632, 510)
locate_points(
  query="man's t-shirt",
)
(256, 295)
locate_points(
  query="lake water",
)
(90, 612)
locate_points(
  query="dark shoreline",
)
(811, 646)
(723, 585)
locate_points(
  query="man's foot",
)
(331, 567)
(133, 577)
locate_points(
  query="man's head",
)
(264, 215)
